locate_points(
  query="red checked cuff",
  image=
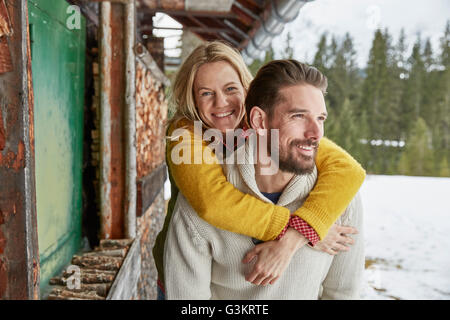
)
(303, 227)
(283, 231)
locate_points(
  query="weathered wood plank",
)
(125, 283)
(149, 187)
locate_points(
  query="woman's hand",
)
(336, 240)
(273, 257)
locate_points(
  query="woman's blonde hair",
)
(182, 96)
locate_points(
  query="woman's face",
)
(219, 95)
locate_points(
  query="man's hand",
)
(273, 257)
(336, 240)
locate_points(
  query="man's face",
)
(300, 117)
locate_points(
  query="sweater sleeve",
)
(344, 278)
(339, 178)
(187, 260)
(215, 199)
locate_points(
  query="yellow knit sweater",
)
(219, 203)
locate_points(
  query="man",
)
(203, 262)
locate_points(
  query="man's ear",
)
(258, 120)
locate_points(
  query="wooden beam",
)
(242, 16)
(192, 29)
(198, 22)
(181, 13)
(19, 252)
(112, 104)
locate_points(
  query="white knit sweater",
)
(204, 262)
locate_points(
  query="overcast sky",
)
(358, 17)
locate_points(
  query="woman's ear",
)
(258, 120)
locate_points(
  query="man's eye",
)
(299, 115)
(322, 118)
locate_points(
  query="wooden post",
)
(19, 254)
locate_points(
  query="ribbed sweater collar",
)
(299, 186)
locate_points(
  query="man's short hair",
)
(276, 75)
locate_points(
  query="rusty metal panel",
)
(19, 258)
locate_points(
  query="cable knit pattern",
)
(204, 262)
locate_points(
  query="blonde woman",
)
(210, 88)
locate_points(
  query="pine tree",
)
(403, 165)
(361, 150)
(375, 85)
(288, 50)
(342, 92)
(418, 150)
(429, 85)
(347, 138)
(441, 123)
(428, 59)
(396, 69)
(444, 168)
(321, 57)
(342, 74)
(257, 63)
(352, 79)
(375, 98)
(412, 94)
(445, 46)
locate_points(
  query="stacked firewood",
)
(151, 117)
(95, 133)
(95, 270)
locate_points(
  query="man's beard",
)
(298, 164)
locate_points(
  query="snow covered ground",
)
(407, 237)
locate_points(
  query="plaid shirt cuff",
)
(303, 227)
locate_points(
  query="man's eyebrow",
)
(297, 110)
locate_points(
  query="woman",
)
(210, 87)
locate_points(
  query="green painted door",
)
(58, 61)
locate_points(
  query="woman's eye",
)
(206, 93)
(231, 88)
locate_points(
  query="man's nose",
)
(314, 130)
